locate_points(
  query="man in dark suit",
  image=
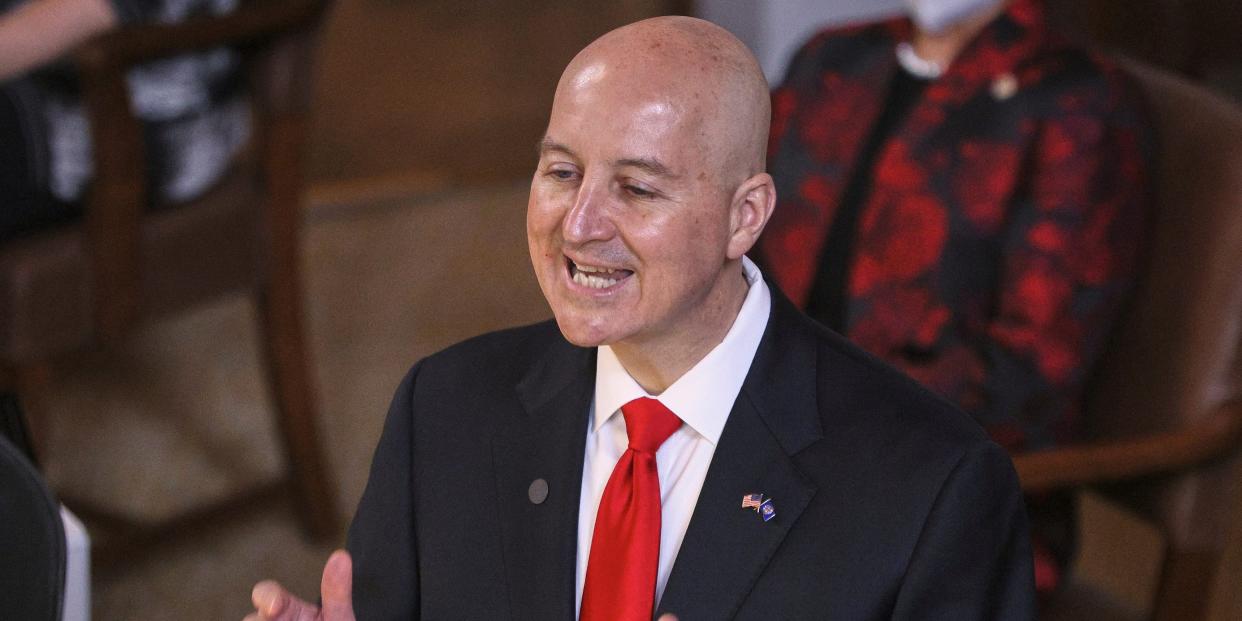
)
(681, 439)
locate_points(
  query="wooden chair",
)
(87, 285)
(1166, 407)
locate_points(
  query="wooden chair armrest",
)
(1214, 437)
(253, 23)
(120, 189)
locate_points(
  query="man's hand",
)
(273, 603)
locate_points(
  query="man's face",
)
(627, 224)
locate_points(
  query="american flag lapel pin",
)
(752, 501)
(762, 506)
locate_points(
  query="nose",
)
(588, 218)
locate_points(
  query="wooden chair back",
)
(89, 283)
(1174, 363)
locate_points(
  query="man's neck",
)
(942, 47)
(655, 365)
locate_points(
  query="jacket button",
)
(538, 491)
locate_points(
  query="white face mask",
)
(935, 16)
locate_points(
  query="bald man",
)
(679, 439)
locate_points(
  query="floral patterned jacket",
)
(1005, 221)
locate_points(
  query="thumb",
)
(336, 588)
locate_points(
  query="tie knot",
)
(648, 424)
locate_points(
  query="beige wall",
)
(458, 90)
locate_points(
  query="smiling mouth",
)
(596, 277)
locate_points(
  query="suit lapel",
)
(727, 547)
(540, 539)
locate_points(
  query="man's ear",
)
(752, 205)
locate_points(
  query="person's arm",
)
(381, 536)
(973, 558)
(39, 31)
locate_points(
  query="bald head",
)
(696, 69)
(649, 190)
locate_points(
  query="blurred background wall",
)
(412, 95)
(775, 28)
(416, 96)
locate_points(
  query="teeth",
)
(595, 282)
(596, 277)
(591, 269)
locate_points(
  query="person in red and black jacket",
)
(964, 194)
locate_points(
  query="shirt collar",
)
(703, 397)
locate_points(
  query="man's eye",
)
(639, 192)
(562, 174)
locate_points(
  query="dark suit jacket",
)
(891, 503)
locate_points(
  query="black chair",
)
(32, 542)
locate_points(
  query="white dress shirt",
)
(702, 399)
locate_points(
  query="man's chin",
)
(581, 339)
(581, 333)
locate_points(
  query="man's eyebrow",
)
(653, 166)
(547, 144)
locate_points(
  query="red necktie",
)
(625, 549)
